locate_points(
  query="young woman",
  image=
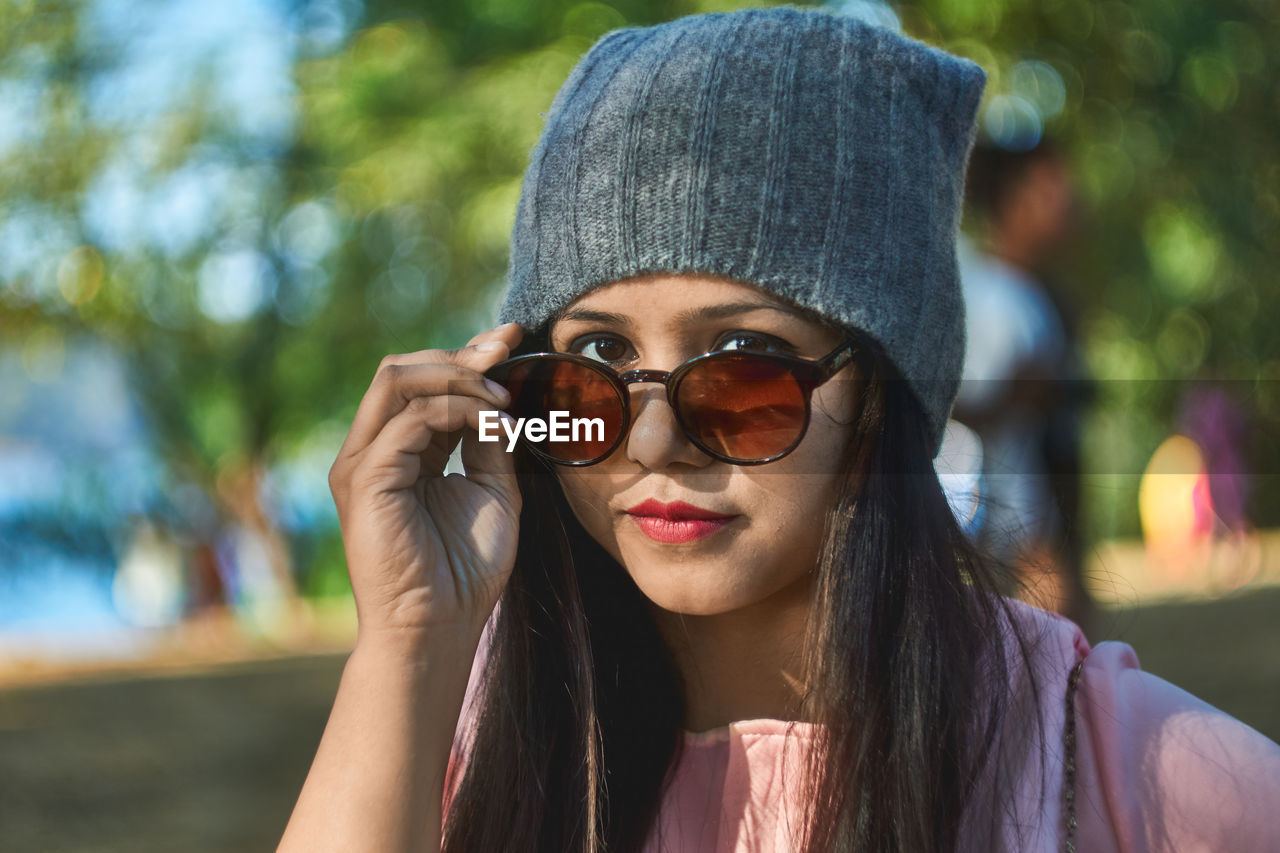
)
(734, 611)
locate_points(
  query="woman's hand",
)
(426, 551)
(428, 556)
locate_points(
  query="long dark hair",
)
(578, 722)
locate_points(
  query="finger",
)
(380, 403)
(490, 464)
(455, 372)
(436, 456)
(396, 458)
(509, 333)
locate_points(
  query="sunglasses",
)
(741, 407)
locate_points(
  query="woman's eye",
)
(752, 341)
(603, 348)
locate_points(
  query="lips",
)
(677, 521)
(675, 511)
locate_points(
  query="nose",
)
(656, 439)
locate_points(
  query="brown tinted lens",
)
(742, 407)
(541, 386)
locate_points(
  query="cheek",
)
(815, 469)
(588, 494)
(831, 430)
(836, 404)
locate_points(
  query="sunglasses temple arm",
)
(833, 363)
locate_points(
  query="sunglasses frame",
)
(809, 375)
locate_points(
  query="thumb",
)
(488, 464)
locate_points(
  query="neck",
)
(743, 665)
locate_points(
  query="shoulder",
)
(1160, 769)
(1043, 647)
(1157, 769)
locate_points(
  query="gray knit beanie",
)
(813, 155)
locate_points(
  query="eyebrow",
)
(689, 316)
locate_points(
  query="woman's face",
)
(771, 538)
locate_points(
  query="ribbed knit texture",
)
(814, 155)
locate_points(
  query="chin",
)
(682, 604)
(692, 590)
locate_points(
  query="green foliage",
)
(383, 225)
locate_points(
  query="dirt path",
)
(198, 762)
(212, 761)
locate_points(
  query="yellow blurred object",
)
(1187, 546)
(1170, 495)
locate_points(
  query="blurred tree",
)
(140, 204)
(254, 272)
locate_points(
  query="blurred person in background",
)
(1025, 390)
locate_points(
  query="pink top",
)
(1157, 769)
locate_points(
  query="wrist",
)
(428, 677)
(437, 649)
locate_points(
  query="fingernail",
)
(489, 346)
(496, 389)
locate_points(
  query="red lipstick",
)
(677, 521)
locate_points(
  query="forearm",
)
(378, 776)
